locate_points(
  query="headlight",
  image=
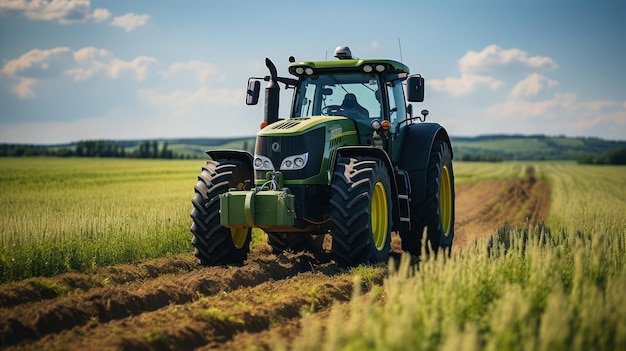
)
(262, 163)
(376, 124)
(295, 162)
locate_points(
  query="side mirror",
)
(415, 88)
(254, 89)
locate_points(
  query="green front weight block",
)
(262, 209)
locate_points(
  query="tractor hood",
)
(311, 141)
(295, 126)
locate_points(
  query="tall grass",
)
(58, 215)
(526, 288)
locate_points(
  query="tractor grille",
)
(334, 143)
(277, 148)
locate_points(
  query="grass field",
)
(58, 215)
(556, 286)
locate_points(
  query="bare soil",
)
(172, 303)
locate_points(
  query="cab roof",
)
(390, 66)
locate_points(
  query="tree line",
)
(94, 148)
(471, 157)
(611, 157)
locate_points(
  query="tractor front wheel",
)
(361, 211)
(214, 244)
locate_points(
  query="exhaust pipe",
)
(272, 94)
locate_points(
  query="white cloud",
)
(532, 85)
(37, 63)
(130, 21)
(492, 67)
(24, 88)
(70, 11)
(61, 11)
(494, 56)
(463, 85)
(91, 61)
(533, 105)
(563, 113)
(23, 73)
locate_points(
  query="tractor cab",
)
(367, 91)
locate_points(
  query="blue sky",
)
(76, 70)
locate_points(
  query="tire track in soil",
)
(210, 321)
(483, 207)
(173, 303)
(34, 320)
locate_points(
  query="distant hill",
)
(485, 147)
(195, 148)
(532, 147)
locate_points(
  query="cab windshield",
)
(354, 95)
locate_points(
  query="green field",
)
(60, 214)
(556, 286)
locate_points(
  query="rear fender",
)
(418, 143)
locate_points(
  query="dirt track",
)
(172, 303)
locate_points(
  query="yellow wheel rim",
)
(239, 235)
(445, 201)
(380, 216)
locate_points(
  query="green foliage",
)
(467, 157)
(611, 157)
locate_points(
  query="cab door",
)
(397, 113)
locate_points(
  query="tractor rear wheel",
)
(295, 242)
(214, 244)
(361, 210)
(437, 211)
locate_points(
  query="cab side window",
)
(397, 108)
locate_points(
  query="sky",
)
(75, 70)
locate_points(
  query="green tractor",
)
(351, 160)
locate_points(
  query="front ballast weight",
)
(268, 206)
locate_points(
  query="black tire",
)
(437, 211)
(360, 213)
(295, 242)
(214, 244)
